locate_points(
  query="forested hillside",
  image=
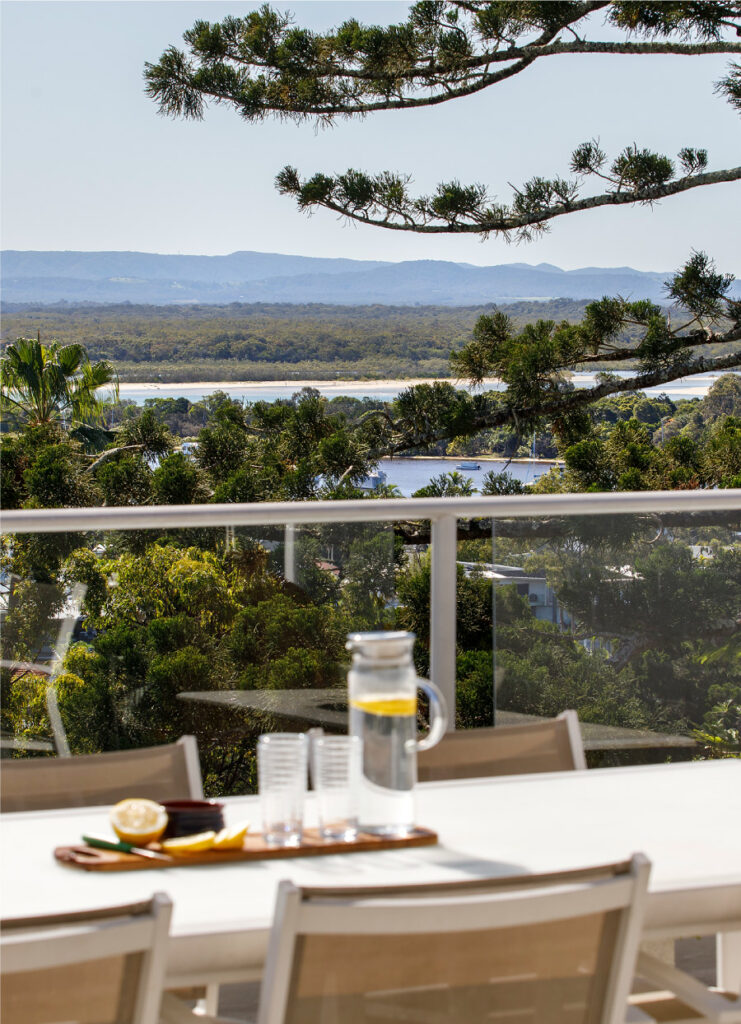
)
(270, 341)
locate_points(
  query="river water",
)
(269, 391)
(411, 473)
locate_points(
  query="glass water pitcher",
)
(382, 684)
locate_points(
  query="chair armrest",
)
(714, 1005)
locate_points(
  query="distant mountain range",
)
(150, 278)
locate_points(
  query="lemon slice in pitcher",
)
(138, 821)
(387, 706)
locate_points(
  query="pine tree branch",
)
(180, 86)
(109, 453)
(425, 76)
(617, 355)
(693, 340)
(276, 69)
(571, 401)
(502, 223)
(587, 46)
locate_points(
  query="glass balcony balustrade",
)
(130, 627)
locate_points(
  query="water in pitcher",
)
(388, 725)
(382, 684)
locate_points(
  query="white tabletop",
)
(685, 817)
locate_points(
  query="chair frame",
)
(575, 738)
(192, 766)
(460, 907)
(569, 720)
(63, 940)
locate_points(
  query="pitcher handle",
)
(438, 715)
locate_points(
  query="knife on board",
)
(121, 847)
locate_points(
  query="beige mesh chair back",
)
(556, 949)
(100, 967)
(169, 772)
(551, 746)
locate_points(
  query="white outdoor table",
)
(685, 817)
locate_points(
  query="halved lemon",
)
(189, 844)
(231, 838)
(138, 821)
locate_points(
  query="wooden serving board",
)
(255, 848)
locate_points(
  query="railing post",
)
(443, 609)
(289, 553)
(494, 627)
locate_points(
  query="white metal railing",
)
(273, 513)
(442, 513)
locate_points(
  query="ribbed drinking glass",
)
(335, 773)
(282, 769)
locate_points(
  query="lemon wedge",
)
(231, 838)
(189, 844)
(138, 821)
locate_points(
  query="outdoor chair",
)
(551, 746)
(169, 772)
(98, 967)
(550, 949)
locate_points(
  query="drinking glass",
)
(335, 771)
(282, 767)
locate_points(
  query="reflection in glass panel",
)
(38, 622)
(222, 633)
(630, 620)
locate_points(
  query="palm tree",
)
(45, 383)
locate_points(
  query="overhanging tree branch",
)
(382, 201)
(693, 340)
(262, 64)
(426, 76)
(563, 403)
(110, 453)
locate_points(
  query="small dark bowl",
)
(188, 817)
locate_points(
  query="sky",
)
(89, 164)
